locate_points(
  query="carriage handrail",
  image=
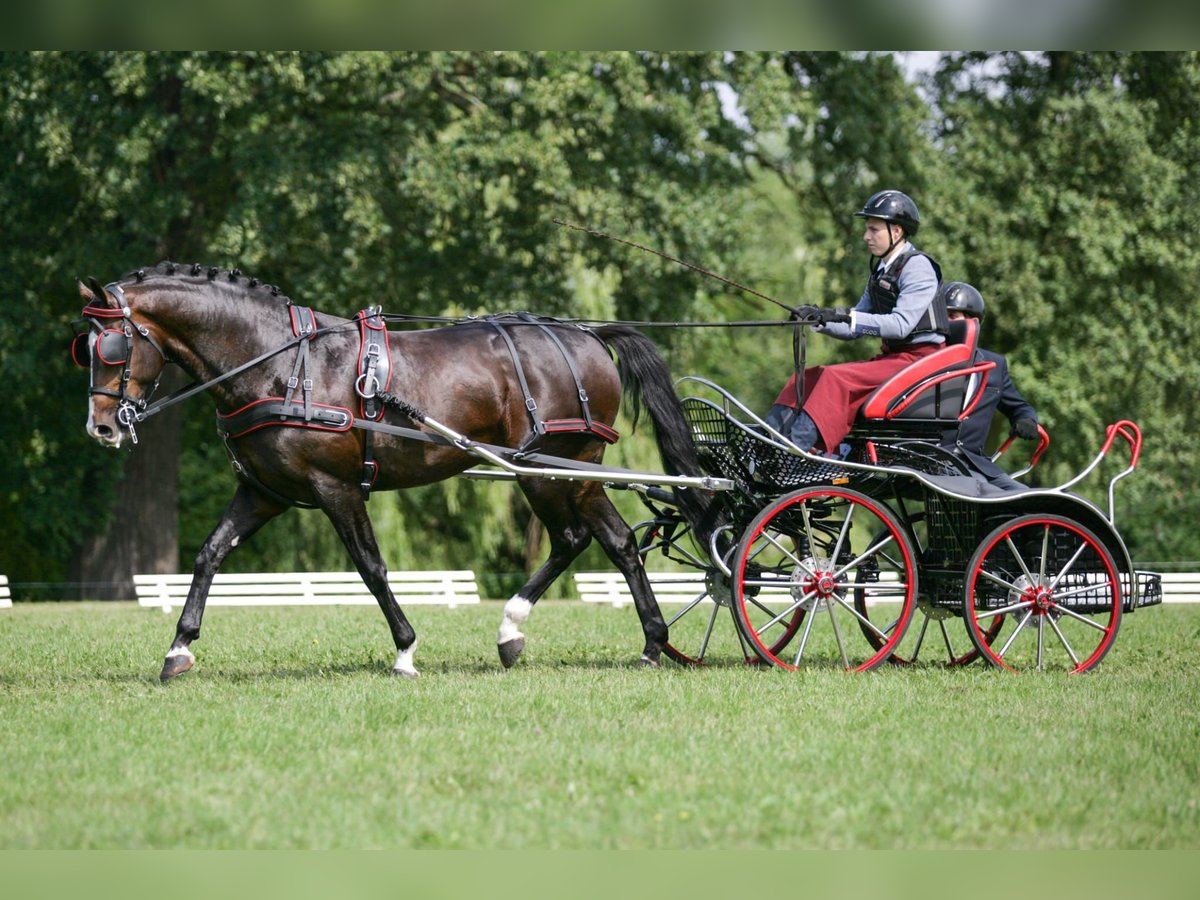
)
(1043, 444)
(770, 436)
(1133, 435)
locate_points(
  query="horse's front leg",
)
(247, 512)
(344, 506)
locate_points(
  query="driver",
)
(900, 305)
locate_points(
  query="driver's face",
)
(879, 236)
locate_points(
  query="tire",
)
(1058, 589)
(797, 567)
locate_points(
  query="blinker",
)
(112, 347)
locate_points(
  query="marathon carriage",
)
(830, 561)
(820, 561)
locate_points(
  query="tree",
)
(426, 182)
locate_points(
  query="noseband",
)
(114, 346)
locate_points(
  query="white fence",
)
(5, 597)
(683, 587)
(448, 588)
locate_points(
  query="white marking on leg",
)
(516, 611)
(234, 542)
(404, 661)
(180, 651)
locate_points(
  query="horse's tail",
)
(646, 382)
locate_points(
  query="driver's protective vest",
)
(884, 290)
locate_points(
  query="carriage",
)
(820, 560)
(866, 558)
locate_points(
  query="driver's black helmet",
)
(961, 296)
(893, 206)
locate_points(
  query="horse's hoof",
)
(647, 663)
(175, 665)
(510, 651)
(406, 673)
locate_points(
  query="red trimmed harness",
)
(583, 425)
(373, 378)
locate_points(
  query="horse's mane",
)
(195, 272)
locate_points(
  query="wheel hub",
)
(1039, 597)
(819, 586)
(718, 587)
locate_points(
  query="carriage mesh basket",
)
(1149, 590)
(728, 449)
(952, 530)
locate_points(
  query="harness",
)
(883, 287)
(113, 347)
(585, 424)
(298, 409)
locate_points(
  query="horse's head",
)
(123, 358)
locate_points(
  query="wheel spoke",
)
(1063, 640)
(837, 633)
(946, 639)
(987, 614)
(708, 629)
(1045, 550)
(1083, 589)
(808, 624)
(1067, 568)
(687, 609)
(1016, 631)
(788, 553)
(1079, 617)
(1017, 556)
(1041, 630)
(841, 601)
(1000, 581)
(920, 638)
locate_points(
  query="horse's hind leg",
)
(246, 513)
(620, 545)
(573, 514)
(554, 503)
(345, 508)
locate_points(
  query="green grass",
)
(290, 734)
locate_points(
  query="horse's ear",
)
(85, 292)
(100, 294)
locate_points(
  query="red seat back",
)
(934, 386)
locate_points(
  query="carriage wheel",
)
(1056, 586)
(798, 566)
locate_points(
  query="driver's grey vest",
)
(884, 290)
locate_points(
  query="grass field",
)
(290, 734)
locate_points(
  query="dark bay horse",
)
(284, 382)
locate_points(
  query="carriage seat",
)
(942, 387)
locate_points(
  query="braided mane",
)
(196, 271)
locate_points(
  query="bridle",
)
(112, 345)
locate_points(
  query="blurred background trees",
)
(1062, 185)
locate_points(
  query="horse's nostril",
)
(104, 431)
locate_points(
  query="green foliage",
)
(1061, 184)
